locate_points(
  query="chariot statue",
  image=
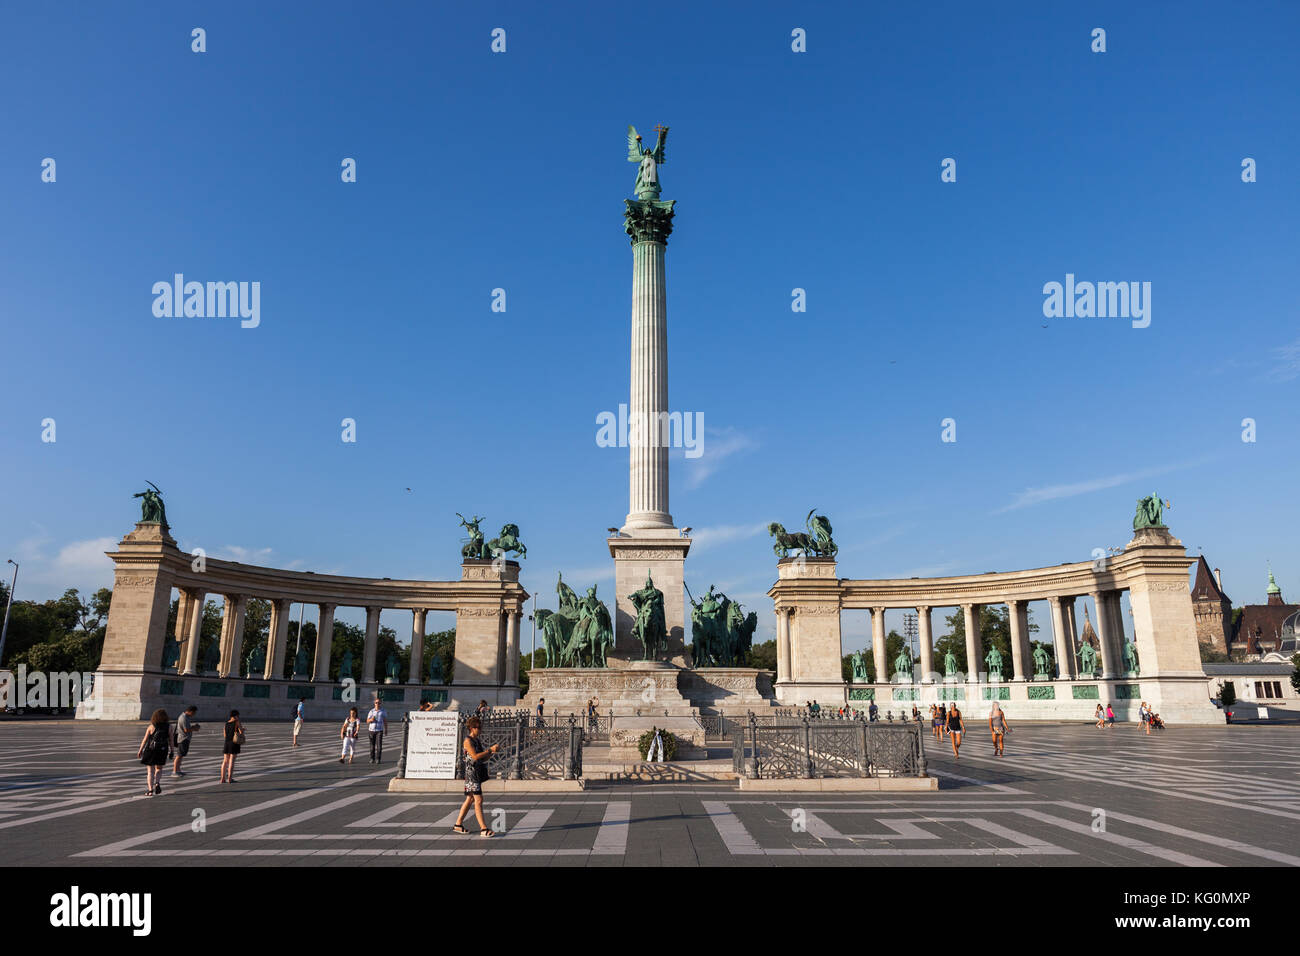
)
(816, 542)
(476, 547)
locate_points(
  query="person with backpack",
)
(182, 730)
(351, 728)
(299, 713)
(153, 751)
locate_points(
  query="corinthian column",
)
(649, 223)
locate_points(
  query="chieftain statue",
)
(171, 652)
(300, 663)
(1131, 658)
(859, 668)
(390, 669)
(993, 660)
(1087, 660)
(648, 160)
(1150, 512)
(345, 666)
(903, 664)
(1042, 661)
(650, 627)
(151, 508)
(816, 543)
(721, 633)
(212, 657)
(579, 633)
(255, 663)
(435, 669)
(950, 664)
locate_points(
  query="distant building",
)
(1211, 608)
(1265, 631)
(1258, 683)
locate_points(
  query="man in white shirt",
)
(376, 723)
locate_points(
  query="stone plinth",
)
(728, 690)
(650, 688)
(660, 553)
(807, 592)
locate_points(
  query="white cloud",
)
(86, 557)
(1034, 496)
(1288, 366)
(717, 446)
(233, 552)
(704, 538)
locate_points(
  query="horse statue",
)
(650, 627)
(508, 541)
(816, 542)
(592, 634)
(740, 633)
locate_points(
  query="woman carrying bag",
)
(230, 750)
(153, 751)
(476, 774)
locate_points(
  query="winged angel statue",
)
(647, 174)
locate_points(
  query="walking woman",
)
(1101, 718)
(230, 750)
(153, 751)
(956, 727)
(351, 728)
(934, 720)
(476, 772)
(998, 727)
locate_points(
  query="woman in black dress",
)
(956, 727)
(476, 757)
(153, 751)
(230, 750)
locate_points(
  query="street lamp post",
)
(4, 631)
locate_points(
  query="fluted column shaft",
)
(782, 645)
(417, 646)
(648, 401)
(371, 647)
(194, 629)
(878, 644)
(971, 620)
(1058, 633)
(277, 639)
(927, 644)
(1015, 617)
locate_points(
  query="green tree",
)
(763, 656)
(995, 631)
(443, 644)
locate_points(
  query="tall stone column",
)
(417, 646)
(511, 676)
(782, 645)
(1115, 609)
(232, 634)
(195, 625)
(181, 631)
(324, 644)
(1015, 617)
(971, 619)
(649, 223)
(1071, 635)
(1058, 634)
(927, 645)
(878, 645)
(371, 645)
(277, 639)
(1105, 639)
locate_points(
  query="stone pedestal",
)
(807, 589)
(661, 553)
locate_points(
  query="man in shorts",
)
(185, 727)
(298, 718)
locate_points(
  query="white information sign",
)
(431, 745)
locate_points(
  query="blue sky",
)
(816, 170)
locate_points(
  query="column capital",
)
(923, 609)
(648, 220)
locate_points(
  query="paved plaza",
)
(1064, 795)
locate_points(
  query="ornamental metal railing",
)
(526, 751)
(811, 748)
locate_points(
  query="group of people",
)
(1148, 719)
(946, 721)
(164, 741)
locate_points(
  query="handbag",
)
(237, 738)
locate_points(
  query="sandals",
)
(458, 828)
(486, 832)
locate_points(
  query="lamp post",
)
(4, 631)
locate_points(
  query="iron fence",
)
(526, 751)
(830, 748)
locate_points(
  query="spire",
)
(1274, 592)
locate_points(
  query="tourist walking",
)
(592, 723)
(349, 732)
(1100, 714)
(541, 711)
(1144, 717)
(153, 751)
(1110, 716)
(299, 714)
(956, 727)
(185, 727)
(943, 721)
(376, 724)
(476, 774)
(230, 749)
(998, 726)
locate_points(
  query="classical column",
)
(503, 650)
(1116, 610)
(371, 645)
(649, 223)
(878, 644)
(1071, 633)
(1015, 610)
(511, 677)
(417, 646)
(927, 645)
(195, 623)
(782, 645)
(232, 635)
(181, 632)
(1104, 636)
(320, 671)
(277, 639)
(1058, 634)
(971, 621)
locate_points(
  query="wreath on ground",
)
(647, 738)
